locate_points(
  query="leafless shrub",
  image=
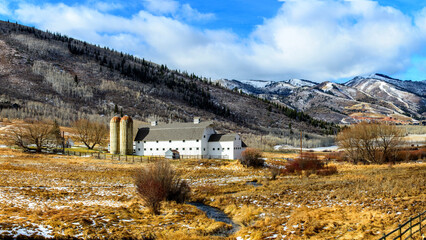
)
(308, 163)
(158, 182)
(274, 171)
(252, 157)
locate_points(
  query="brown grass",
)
(90, 198)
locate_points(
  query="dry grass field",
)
(79, 197)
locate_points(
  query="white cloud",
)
(107, 6)
(4, 7)
(161, 6)
(188, 13)
(313, 39)
(176, 10)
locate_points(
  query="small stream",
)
(254, 183)
(217, 215)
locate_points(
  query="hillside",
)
(376, 97)
(48, 75)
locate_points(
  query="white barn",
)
(197, 139)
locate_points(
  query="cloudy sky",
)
(247, 39)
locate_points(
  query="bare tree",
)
(371, 142)
(90, 133)
(37, 133)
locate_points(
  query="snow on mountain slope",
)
(300, 82)
(371, 97)
(256, 83)
(416, 87)
(380, 87)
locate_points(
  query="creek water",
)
(217, 215)
(254, 183)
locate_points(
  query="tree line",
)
(39, 135)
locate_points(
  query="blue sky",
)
(247, 39)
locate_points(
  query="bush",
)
(410, 154)
(158, 182)
(252, 157)
(326, 171)
(306, 161)
(274, 171)
(309, 163)
(335, 156)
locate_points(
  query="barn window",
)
(204, 136)
(183, 148)
(157, 149)
(156, 141)
(228, 148)
(198, 148)
(204, 149)
(183, 140)
(190, 148)
(139, 141)
(139, 149)
(144, 141)
(150, 149)
(164, 149)
(213, 149)
(144, 149)
(170, 141)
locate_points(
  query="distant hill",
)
(376, 97)
(48, 75)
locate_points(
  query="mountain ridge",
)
(46, 75)
(374, 97)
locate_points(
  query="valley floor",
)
(54, 195)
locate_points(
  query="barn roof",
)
(173, 131)
(222, 137)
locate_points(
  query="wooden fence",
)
(408, 229)
(134, 158)
(125, 158)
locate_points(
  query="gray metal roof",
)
(222, 137)
(173, 131)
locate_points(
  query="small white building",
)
(197, 139)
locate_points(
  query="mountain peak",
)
(381, 77)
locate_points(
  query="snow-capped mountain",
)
(407, 95)
(265, 87)
(416, 87)
(372, 97)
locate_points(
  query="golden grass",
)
(90, 198)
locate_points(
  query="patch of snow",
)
(328, 86)
(257, 83)
(300, 82)
(318, 149)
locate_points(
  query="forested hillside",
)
(48, 75)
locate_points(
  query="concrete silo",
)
(114, 135)
(126, 135)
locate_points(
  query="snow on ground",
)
(14, 196)
(39, 230)
(318, 149)
(416, 138)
